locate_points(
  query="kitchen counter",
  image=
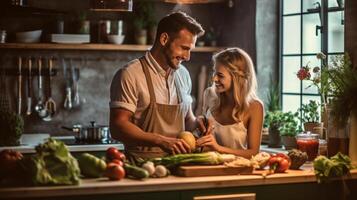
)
(301, 182)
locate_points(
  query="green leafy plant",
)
(144, 15)
(343, 81)
(273, 119)
(273, 97)
(309, 112)
(289, 125)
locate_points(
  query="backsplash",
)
(96, 71)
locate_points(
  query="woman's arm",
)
(254, 129)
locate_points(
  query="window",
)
(307, 27)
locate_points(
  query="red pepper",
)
(279, 163)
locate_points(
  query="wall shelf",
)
(97, 47)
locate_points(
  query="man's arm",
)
(124, 130)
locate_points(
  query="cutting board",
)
(211, 170)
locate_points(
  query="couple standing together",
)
(150, 102)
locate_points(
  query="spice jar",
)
(308, 143)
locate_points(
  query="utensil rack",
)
(25, 72)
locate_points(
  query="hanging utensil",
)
(40, 108)
(75, 77)
(68, 99)
(50, 103)
(19, 86)
(29, 88)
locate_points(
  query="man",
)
(150, 97)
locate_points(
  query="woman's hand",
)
(204, 125)
(208, 141)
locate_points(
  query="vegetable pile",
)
(339, 165)
(115, 167)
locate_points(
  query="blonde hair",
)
(244, 81)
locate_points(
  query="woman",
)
(233, 106)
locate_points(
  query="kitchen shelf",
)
(98, 47)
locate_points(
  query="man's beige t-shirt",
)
(129, 88)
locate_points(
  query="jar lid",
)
(308, 135)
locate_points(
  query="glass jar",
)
(308, 143)
(322, 147)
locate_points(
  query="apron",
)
(164, 119)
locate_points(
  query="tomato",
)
(115, 171)
(9, 161)
(113, 153)
(118, 162)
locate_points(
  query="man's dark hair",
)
(173, 23)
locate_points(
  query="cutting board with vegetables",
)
(211, 170)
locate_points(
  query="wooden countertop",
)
(171, 183)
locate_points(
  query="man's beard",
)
(168, 57)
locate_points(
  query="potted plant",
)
(144, 21)
(140, 32)
(212, 36)
(289, 128)
(343, 80)
(272, 104)
(273, 120)
(82, 25)
(310, 116)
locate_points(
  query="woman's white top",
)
(233, 135)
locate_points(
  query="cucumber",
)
(91, 166)
(135, 172)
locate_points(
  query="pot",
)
(91, 134)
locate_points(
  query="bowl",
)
(29, 36)
(116, 39)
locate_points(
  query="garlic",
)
(149, 166)
(160, 171)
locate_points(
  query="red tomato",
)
(118, 162)
(9, 161)
(113, 153)
(114, 171)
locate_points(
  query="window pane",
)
(335, 32)
(311, 41)
(291, 6)
(291, 103)
(291, 35)
(290, 67)
(310, 4)
(312, 61)
(334, 3)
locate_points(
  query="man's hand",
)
(174, 145)
(204, 125)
